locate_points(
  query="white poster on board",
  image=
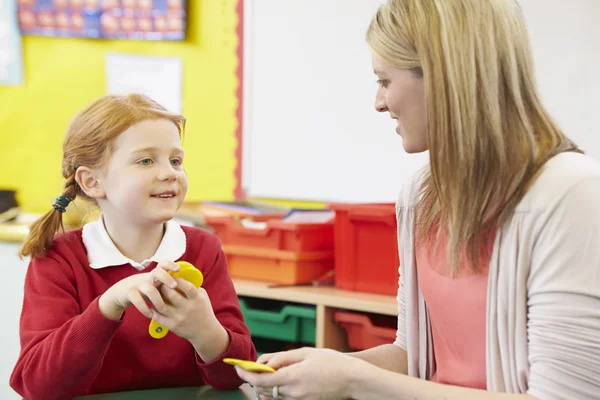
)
(159, 78)
(11, 53)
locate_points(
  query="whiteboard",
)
(310, 130)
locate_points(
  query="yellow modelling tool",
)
(188, 272)
(249, 365)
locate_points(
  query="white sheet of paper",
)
(310, 217)
(159, 78)
(11, 57)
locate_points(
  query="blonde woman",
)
(499, 295)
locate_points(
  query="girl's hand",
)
(136, 290)
(188, 313)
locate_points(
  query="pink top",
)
(457, 313)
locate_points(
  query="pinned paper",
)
(159, 78)
(11, 53)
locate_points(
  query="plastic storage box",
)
(278, 320)
(364, 331)
(366, 248)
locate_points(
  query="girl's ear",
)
(89, 183)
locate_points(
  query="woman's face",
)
(401, 93)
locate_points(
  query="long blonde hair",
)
(488, 132)
(89, 142)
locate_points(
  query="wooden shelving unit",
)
(327, 299)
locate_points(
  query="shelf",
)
(326, 299)
(12, 232)
(326, 296)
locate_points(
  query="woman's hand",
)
(136, 290)
(305, 374)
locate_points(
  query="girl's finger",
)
(172, 297)
(135, 298)
(161, 276)
(160, 318)
(168, 265)
(152, 294)
(187, 288)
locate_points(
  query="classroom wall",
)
(64, 74)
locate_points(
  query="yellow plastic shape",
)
(249, 365)
(191, 274)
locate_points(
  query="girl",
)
(79, 333)
(499, 238)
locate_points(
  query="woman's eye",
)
(383, 82)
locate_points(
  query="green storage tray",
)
(277, 320)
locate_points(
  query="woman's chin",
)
(412, 148)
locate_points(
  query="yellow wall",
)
(62, 75)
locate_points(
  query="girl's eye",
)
(176, 162)
(145, 161)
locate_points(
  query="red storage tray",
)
(366, 332)
(366, 247)
(277, 266)
(277, 234)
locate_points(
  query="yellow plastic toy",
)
(188, 272)
(249, 365)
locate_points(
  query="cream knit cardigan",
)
(543, 299)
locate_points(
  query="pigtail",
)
(42, 231)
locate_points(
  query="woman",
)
(499, 294)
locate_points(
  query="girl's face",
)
(144, 182)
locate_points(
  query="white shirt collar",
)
(102, 252)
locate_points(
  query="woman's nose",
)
(380, 105)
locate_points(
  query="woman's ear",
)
(89, 182)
